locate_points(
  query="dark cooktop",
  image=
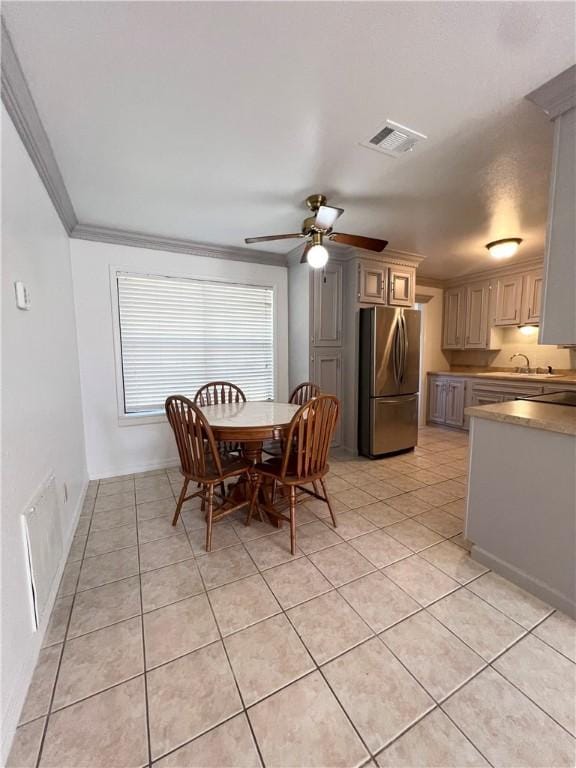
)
(556, 398)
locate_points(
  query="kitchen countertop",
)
(546, 416)
(568, 378)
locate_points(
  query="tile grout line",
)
(333, 588)
(317, 669)
(145, 680)
(64, 641)
(242, 702)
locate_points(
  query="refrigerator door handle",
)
(404, 347)
(396, 353)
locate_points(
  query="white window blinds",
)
(178, 334)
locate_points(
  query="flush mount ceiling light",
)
(505, 248)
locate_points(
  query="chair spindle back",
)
(192, 432)
(309, 438)
(304, 392)
(217, 392)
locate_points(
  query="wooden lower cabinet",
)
(446, 401)
(482, 397)
(326, 372)
(455, 394)
(449, 397)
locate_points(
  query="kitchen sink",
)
(522, 375)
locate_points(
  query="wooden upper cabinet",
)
(372, 283)
(508, 300)
(532, 296)
(327, 306)
(477, 311)
(401, 286)
(453, 333)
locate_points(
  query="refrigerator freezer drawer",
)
(393, 423)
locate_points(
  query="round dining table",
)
(250, 423)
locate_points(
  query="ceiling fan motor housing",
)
(315, 201)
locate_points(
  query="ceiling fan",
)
(318, 226)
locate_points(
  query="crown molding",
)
(495, 272)
(557, 95)
(388, 256)
(174, 245)
(20, 106)
(429, 282)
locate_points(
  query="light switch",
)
(22, 295)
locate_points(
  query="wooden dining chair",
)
(217, 392)
(304, 392)
(304, 461)
(202, 463)
(300, 395)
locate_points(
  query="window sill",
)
(140, 419)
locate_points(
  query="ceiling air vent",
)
(394, 139)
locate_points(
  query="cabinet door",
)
(327, 305)
(326, 371)
(437, 400)
(455, 391)
(371, 284)
(532, 296)
(508, 300)
(477, 308)
(401, 287)
(453, 330)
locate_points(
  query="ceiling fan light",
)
(505, 248)
(317, 256)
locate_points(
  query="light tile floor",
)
(380, 644)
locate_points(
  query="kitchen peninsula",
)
(521, 511)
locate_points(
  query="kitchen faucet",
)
(521, 354)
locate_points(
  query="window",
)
(178, 334)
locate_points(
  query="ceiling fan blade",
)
(266, 238)
(305, 253)
(368, 243)
(326, 216)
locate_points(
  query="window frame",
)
(138, 419)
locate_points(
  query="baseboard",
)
(529, 583)
(131, 469)
(17, 697)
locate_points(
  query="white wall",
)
(42, 417)
(113, 448)
(432, 357)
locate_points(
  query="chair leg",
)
(327, 500)
(253, 500)
(209, 518)
(315, 486)
(180, 501)
(293, 519)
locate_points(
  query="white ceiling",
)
(212, 121)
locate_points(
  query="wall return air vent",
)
(393, 139)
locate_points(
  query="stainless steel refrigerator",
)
(389, 379)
